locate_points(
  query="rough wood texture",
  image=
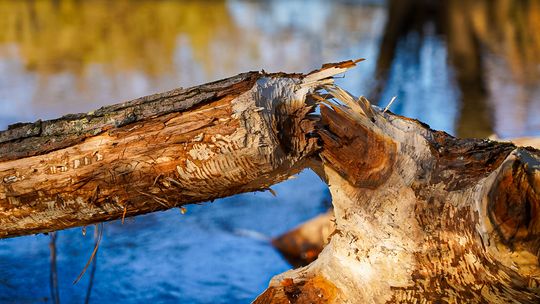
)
(240, 134)
(304, 243)
(29, 139)
(441, 220)
(421, 216)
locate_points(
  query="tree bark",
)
(162, 151)
(420, 216)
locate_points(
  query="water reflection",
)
(69, 36)
(493, 48)
(217, 254)
(72, 56)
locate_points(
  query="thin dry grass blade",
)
(389, 104)
(99, 227)
(92, 272)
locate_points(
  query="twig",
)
(53, 279)
(124, 214)
(93, 270)
(273, 192)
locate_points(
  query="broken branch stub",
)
(185, 146)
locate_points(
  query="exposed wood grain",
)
(310, 290)
(236, 135)
(29, 139)
(165, 150)
(421, 216)
(345, 139)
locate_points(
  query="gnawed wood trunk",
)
(301, 245)
(185, 146)
(420, 215)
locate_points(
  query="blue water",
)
(215, 253)
(219, 252)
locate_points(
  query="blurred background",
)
(470, 68)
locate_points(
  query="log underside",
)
(420, 216)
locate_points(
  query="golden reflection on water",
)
(71, 56)
(58, 36)
(506, 39)
(510, 29)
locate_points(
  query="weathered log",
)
(303, 244)
(420, 215)
(185, 146)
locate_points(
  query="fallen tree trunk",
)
(420, 215)
(158, 152)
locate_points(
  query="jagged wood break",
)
(154, 153)
(420, 216)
